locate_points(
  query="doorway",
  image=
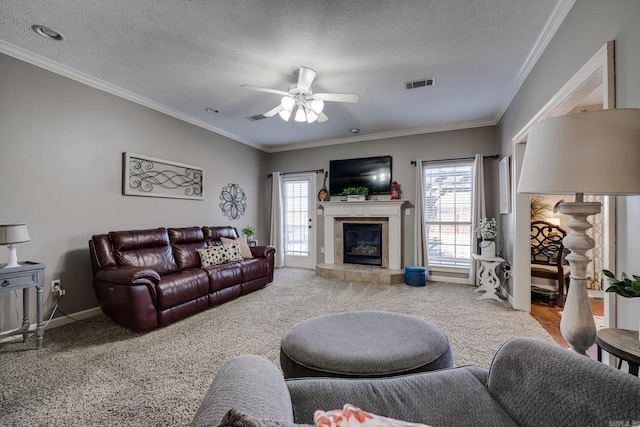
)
(594, 83)
(298, 196)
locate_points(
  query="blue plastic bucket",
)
(415, 276)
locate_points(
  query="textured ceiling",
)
(181, 57)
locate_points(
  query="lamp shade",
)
(14, 233)
(595, 152)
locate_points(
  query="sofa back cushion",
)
(212, 235)
(541, 384)
(186, 242)
(144, 248)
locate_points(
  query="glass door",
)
(298, 195)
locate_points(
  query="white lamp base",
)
(577, 325)
(13, 257)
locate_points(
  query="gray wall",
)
(589, 25)
(431, 146)
(61, 145)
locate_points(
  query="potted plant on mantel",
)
(625, 287)
(250, 231)
(355, 193)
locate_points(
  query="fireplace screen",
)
(362, 243)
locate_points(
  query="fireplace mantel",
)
(390, 209)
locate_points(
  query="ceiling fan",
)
(309, 105)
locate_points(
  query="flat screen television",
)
(371, 172)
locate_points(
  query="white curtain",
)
(479, 211)
(276, 236)
(420, 250)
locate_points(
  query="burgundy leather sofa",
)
(145, 279)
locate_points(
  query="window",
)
(448, 209)
(296, 221)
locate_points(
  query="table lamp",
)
(10, 235)
(595, 152)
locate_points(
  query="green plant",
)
(355, 191)
(625, 286)
(249, 230)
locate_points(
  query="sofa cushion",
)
(254, 268)
(216, 255)
(185, 243)
(241, 241)
(180, 287)
(144, 248)
(223, 276)
(449, 397)
(212, 235)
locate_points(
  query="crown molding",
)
(556, 19)
(57, 68)
(383, 135)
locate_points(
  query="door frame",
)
(310, 262)
(598, 71)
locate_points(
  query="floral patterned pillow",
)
(350, 416)
(216, 255)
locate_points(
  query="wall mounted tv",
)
(371, 172)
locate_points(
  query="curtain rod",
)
(290, 173)
(495, 156)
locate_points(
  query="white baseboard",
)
(448, 279)
(80, 315)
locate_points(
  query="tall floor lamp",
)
(595, 152)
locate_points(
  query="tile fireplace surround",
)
(386, 212)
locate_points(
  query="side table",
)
(28, 275)
(486, 276)
(621, 343)
(252, 242)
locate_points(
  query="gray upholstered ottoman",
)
(363, 344)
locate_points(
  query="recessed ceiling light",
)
(354, 130)
(46, 32)
(211, 110)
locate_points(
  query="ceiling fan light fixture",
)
(300, 115)
(311, 115)
(285, 115)
(287, 103)
(317, 105)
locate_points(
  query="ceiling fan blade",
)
(305, 78)
(265, 89)
(337, 97)
(322, 117)
(273, 111)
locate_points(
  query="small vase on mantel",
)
(488, 248)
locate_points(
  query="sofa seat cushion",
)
(180, 287)
(253, 269)
(223, 276)
(448, 397)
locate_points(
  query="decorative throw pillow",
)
(216, 255)
(350, 416)
(234, 418)
(241, 241)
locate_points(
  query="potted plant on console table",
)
(625, 287)
(355, 193)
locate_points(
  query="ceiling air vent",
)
(257, 117)
(431, 81)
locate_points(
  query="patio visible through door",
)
(298, 195)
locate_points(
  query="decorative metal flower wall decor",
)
(233, 201)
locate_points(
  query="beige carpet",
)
(97, 373)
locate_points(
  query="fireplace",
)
(362, 243)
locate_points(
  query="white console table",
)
(486, 278)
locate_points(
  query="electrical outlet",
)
(56, 286)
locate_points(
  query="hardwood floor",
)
(549, 318)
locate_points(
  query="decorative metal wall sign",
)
(233, 201)
(150, 177)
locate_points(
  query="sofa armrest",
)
(250, 384)
(262, 251)
(448, 397)
(542, 384)
(127, 275)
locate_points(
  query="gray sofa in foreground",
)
(529, 383)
